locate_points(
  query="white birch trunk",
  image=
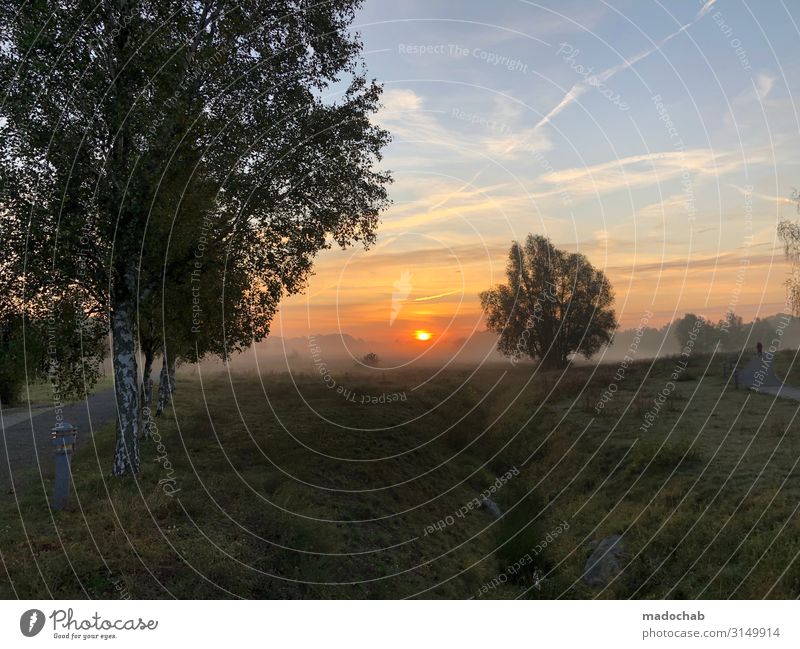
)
(126, 454)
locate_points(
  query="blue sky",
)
(659, 138)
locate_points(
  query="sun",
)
(422, 335)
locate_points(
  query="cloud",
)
(488, 208)
(491, 136)
(602, 238)
(404, 115)
(639, 171)
(706, 8)
(600, 79)
(757, 92)
(764, 84)
(675, 203)
(770, 198)
(570, 98)
(727, 260)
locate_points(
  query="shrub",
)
(370, 359)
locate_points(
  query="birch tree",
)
(115, 114)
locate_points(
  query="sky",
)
(658, 138)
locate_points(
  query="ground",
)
(277, 485)
(26, 432)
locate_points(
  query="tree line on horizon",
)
(729, 335)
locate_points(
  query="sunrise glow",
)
(422, 336)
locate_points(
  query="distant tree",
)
(555, 305)
(696, 332)
(371, 359)
(731, 332)
(116, 114)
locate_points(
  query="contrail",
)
(433, 297)
(580, 88)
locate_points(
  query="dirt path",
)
(25, 451)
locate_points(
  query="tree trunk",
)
(126, 454)
(164, 387)
(147, 390)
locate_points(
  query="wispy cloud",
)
(723, 261)
(600, 79)
(407, 117)
(770, 198)
(640, 170)
(660, 210)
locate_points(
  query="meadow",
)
(282, 485)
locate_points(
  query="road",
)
(785, 391)
(25, 448)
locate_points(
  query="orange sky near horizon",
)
(355, 292)
(676, 195)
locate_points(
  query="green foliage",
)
(188, 146)
(69, 350)
(61, 346)
(695, 333)
(184, 167)
(12, 359)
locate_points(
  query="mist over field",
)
(345, 353)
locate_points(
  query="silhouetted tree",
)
(555, 305)
(697, 330)
(731, 332)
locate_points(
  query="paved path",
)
(25, 436)
(785, 391)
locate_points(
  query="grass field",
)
(277, 486)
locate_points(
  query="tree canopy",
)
(554, 305)
(148, 147)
